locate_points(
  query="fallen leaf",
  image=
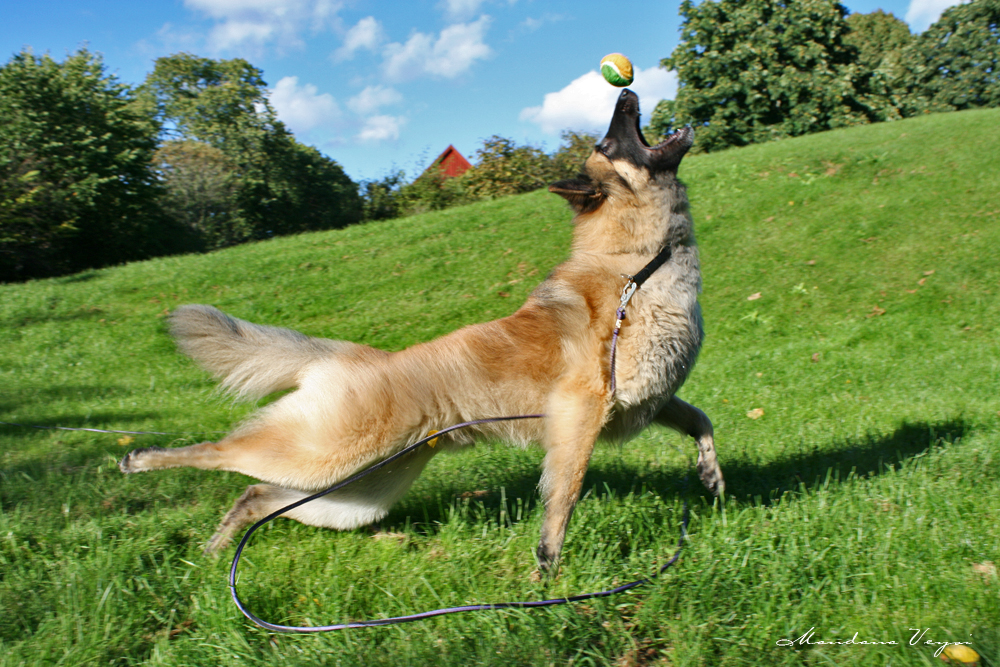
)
(756, 413)
(922, 281)
(771, 219)
(815, 357)
(754, 296)
(811, 262)
(760, 375)
(503, 295)
(126, 440)
(876, 311)
(986, 568)
(383, 535)
(960, 654)
(929, 273)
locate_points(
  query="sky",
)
(380, 86)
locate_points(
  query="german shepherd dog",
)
(354, 405)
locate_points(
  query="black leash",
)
(276, 627)
(633, 284)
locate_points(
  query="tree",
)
(876, 36)
(504, 168)
(274, 185)
(755, 70)
(76, 188)
(380, 196)
(953, 65)
(567, 161)
(198, 184)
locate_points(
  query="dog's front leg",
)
(689, 420)
(573, 422)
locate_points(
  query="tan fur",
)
(354, 406)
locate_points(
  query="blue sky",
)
(385, 85)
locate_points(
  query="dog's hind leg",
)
(358, 504)
(689, 420)
(271, 451)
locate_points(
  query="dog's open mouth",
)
(625, 141)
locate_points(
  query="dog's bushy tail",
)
(251, 360)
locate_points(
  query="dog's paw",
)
(711, 477)
(133, 460)
(548, 562)
(217, 543)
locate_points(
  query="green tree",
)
(380, 197)
(756, 70)
(504, 168)
(198, 185)
(877, 36)
(954, 64)
(568, 159)
(76, 187)
(275, 184)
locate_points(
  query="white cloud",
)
(373, 98)
(302, 108)
(452, 53)
(381, 128)
(459, 10)
(366, 34)
(257, 23)
(588, 102)
(922, 13)
(532, 24)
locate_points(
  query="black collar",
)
(662, 258)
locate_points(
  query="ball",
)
(617, 69)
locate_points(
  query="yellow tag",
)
(433, 442)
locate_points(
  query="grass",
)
(865, 499)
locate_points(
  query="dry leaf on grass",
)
(960, 654)
(987, 569)
(756, 413)
(753, 297)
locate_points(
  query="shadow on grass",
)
(82, 277)
(94, 420)
(38, 318)
(759, 483)
(15, 398)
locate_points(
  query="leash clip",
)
(630, 287)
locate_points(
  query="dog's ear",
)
(581, 194)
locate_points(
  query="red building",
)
(451, 163)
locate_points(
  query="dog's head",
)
(623, 165)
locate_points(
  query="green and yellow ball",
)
(617, 70)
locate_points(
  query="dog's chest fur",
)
(659, 343)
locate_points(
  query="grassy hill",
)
(864, 499)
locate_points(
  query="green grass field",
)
(864, 499)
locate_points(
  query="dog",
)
(353, 405)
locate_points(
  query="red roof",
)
(451, 163)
